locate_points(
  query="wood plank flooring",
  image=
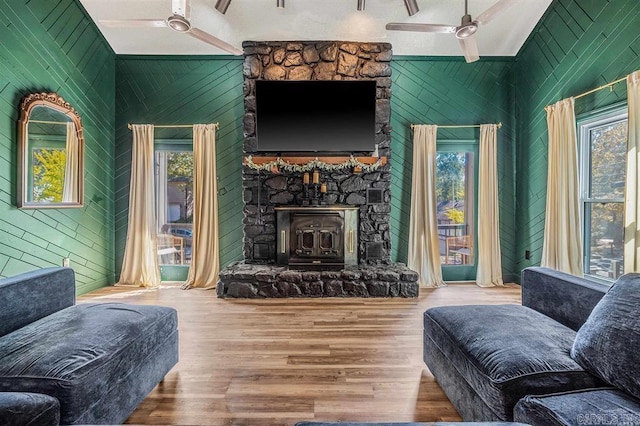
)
(280, 361)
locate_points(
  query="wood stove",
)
(317, 237)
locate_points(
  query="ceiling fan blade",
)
(427, 28)
(497, 8)
(134, 23)
(214, 41)
(181, 7)
(469, 48)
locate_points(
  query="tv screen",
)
(320, 116)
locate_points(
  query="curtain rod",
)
(604, 86)
(588, 92)
(463, 126)
(174, 126)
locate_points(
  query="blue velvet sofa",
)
(569, 355)
(68, 363)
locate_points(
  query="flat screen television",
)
(316, 116)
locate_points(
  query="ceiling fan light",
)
(280, 4)
(179, 23)
(361, 5)
(465, 31)
(412, 7)
(222, 6)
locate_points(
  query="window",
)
(174, 205)
(455, 194)
(603, 148)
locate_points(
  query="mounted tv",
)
(315, 116)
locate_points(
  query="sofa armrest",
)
(565, 298)
(27, 297)
(29, 409)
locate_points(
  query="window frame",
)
(464, 273)
(584, 124)
(170, 272)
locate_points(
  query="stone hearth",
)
(243, 280)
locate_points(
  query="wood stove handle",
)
(351, 241)
(283, 242)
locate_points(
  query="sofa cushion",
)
(28, 409)
(506, 352)
(607, 344)
(585, 407)
(81, 353)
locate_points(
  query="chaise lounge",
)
(567, 355)
(96, 362)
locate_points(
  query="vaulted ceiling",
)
(314, 20)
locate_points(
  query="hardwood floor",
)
(280, 361)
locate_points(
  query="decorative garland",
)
(277, 164)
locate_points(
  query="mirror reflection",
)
(51, 153)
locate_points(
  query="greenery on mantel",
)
(279, 163)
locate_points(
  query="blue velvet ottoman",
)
(487, 357)
(98, 360)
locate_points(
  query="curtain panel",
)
(562, 246)
(424, 250)
(489, 271)
(140, 263)
(632, 200)
(205, 261)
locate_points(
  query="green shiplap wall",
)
(449, 91)
(577, 46)
(183, 90)
(168, 90)
(52, 46)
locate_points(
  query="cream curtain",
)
(562, 247)
(632, 200)
(140, 263)
(205, 262)
(71, 178)
(489, 272)
(424, 250)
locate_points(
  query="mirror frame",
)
(56, 102)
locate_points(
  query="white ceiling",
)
(315, 20)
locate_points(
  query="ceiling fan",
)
(465, 32)
(179, 22)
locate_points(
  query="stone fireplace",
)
(321, 60)
(341, 247)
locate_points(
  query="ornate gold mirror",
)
(50, 153)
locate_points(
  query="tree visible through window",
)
(174, 183)
(603, 143)
(454, 173)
